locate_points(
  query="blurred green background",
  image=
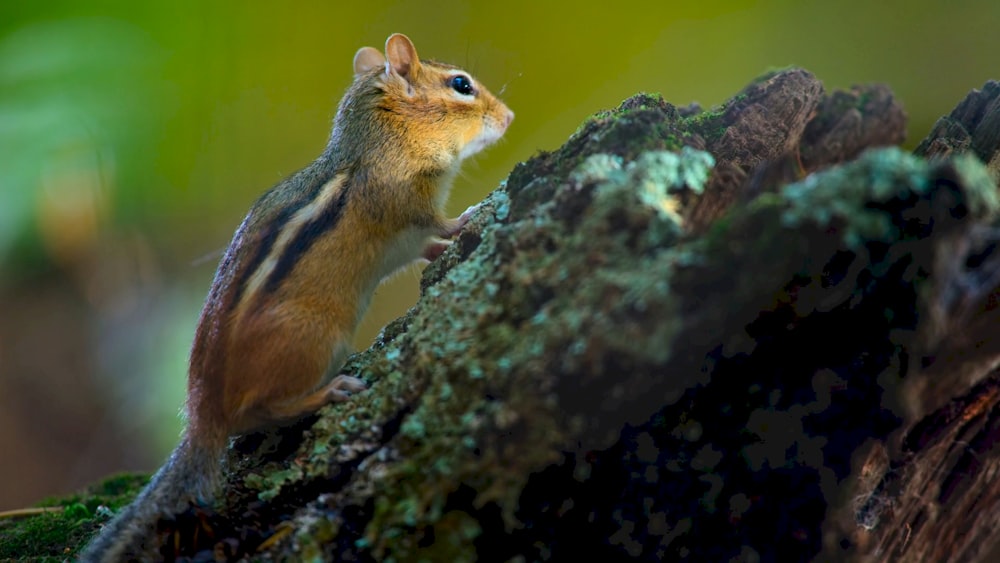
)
(134, 136)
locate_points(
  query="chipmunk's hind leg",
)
(338, 390)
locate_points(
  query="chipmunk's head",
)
(441, 113)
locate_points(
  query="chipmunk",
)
(301, 268)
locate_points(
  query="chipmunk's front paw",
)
(434, 249)
(463, 219)
(455, 226)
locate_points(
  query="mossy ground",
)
(56, 536)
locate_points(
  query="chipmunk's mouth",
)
(492, 131)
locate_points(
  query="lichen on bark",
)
(633, 353)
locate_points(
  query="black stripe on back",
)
(267, 240)
(307, 235)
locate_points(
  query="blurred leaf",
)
(71, 94)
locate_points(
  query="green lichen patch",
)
(983, 198)
(854, 211)
(856, 195)
(881, 176)
(270, 479)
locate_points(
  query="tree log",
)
(685, 335)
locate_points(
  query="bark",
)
(685, 335)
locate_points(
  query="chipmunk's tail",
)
(190, 475)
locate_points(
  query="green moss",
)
(710, 124)
(864, 98)
(54, 536)
(640, 123)
(117, 490)
(47, 537)
(639, 102)
(770, 73)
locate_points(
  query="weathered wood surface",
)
(794, 359)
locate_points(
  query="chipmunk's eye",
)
(461, 84)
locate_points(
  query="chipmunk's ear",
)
(402, 57)
(366, 59)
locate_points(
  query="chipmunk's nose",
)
(507, 119)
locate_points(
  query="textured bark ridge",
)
(685, 335)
